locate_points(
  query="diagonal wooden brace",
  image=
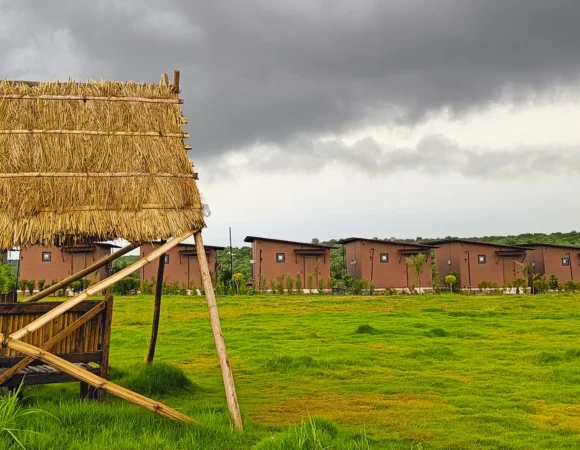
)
(77, 276)
(96, 381)
(96, 288)
(53, 341)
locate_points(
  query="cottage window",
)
(166, 257)
(481, 259)
(280, 257)
(384, 257)
(565, 261)
(46, 256)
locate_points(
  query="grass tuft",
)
(366, 329)
(437, 332)
(573, 353)
(545, 358)
(287, 364)
(158, 379)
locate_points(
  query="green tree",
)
(450, 280)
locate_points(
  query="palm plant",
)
(417, 262)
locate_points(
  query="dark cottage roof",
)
(380, 241)
(536, 244)
(468, 241)
(307, 244)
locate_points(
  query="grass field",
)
(403, 372)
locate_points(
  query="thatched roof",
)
(93, 161)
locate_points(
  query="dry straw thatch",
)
(93, 161)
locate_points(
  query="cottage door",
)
(311, 268)
(193, 273)
(509, 271)
(78, 262)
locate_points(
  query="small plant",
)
(30, 285)
(299, 285)
(310, 283)
(417, 262)
(541, 286)
(147, 286)
(571, 286)
(272, 286)
(289, 285)
(372, 288)
(159, 379)
(450, 281)
(331, 283)
(22, 284)
(237, 280)
(280, 284)
(125, 286)
(553, 282)
(321, 285)
(359, 286)
(41, 284)
(390, 291)
(262, 284)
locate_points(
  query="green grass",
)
(313, 372)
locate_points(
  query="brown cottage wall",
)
(536, 257)
(552, 263)
(395, 273)
(493, 270)
(181, 269)
(33, 268)
(294, 264)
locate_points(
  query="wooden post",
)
(104, 364)
(96, 288)
(51, 289)
(156, 310)
(176, 81)
(94, 380)
(228, 378)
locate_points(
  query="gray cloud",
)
(280, 73)
(433, 154)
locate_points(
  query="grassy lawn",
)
(403, 372)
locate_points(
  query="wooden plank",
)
(42, 308)
(98, 287)
(86, 357)
(96, 381)
(220, 344)
(64, 333)
(170, 101)
(106, 345)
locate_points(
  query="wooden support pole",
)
(95, 380)
(53, 341)
(96, 266)
(107, 324)
(156, 310)
(228, 378)
(97, 287)
(176, 76)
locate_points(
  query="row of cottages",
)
(501, 264)
(384, 262)
(273, 258)
(57, 263)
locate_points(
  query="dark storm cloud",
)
(263, 71)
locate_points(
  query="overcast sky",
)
(337, 118)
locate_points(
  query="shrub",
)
(280, 284)
(30, 284)
(372, 288)
(321, 285)
(238, 281)
(359, 286)
(126, 285)
(148, 286)
(22, 284)
(390, 291)
(7, 279)
(41, 284)
(299, 286)
(273, 286)
(553, 282)
(450, 281)
(541, 286)
(331, 284)
(457, 275)
(262, 284)
(158, 379)
(289, 285)
(571, 286)
(347, 280)
(484, 285)
(310, 283)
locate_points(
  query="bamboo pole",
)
(99, 133)
(53, 341)
(175, 101)
(94, 175)
(156, 310)
(102, 262)
(176, 76)
(228, 378)
(98, 287)
(96, 381)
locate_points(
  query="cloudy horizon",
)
(329, 119)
